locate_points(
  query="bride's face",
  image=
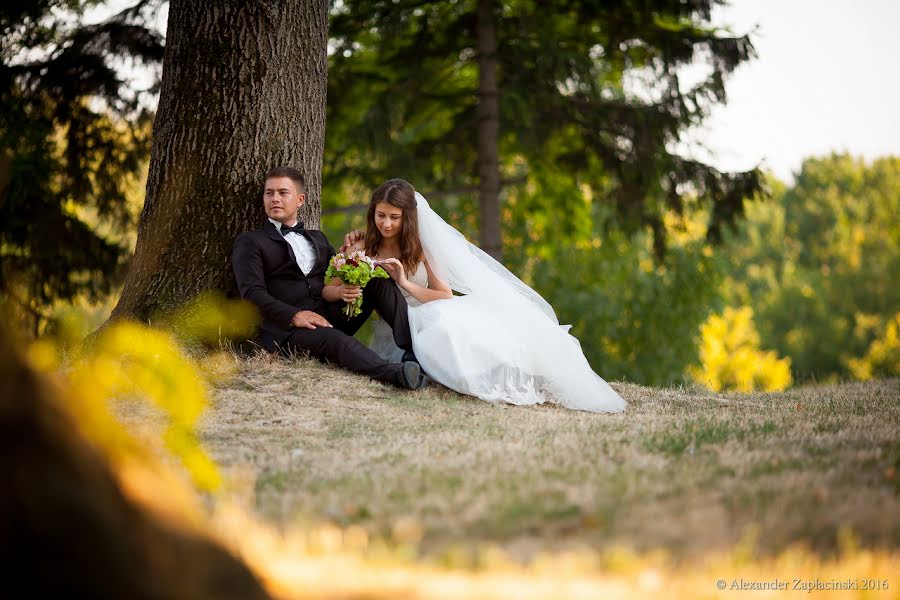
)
(388, 219)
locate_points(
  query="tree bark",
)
(488, 131)
(243, 90)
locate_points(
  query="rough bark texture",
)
(488, 128)
(243, 90)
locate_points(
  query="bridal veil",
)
(499, 341)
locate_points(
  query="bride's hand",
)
(395, 269)
(353, 240)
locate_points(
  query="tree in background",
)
(566, 100)
(243, 90)
(73, 138)
(818, 264)
(730, 357)
(814, 267)
(636, 318)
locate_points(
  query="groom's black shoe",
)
(408, 356)
(410, 375)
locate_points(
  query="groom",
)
(281, 269)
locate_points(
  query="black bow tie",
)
(298, 228)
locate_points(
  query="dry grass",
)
(445, 476)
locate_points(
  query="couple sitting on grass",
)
(497, 339)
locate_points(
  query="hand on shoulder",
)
(354, 240)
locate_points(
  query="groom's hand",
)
(352, 240)
(307, 319)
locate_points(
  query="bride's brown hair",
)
(399, 193)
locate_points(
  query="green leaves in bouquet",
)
(359, 274)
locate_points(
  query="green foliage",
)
(584, 152)
(73, 138)
(574, 121)
(636, 319)
(818, 263)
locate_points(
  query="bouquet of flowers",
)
(354, 268)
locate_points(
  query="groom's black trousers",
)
(338, 346)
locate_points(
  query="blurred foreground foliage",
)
(127, 361)
(98, 443)
(211, 320)
(131, 362)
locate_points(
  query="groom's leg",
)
(335, 315)
(386, 298)
(336, 347)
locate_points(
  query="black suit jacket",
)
(268, 276)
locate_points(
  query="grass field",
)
(446, 476)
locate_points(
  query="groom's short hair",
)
(291, 173)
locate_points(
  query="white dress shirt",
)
(304, 251)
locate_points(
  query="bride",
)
(498, 340)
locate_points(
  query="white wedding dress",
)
(500, 341)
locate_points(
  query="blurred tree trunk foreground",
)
(243, 90)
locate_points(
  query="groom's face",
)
(282, 199)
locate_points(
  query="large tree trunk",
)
(243, 90)
(488, 131)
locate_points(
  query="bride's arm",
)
(436, 290)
